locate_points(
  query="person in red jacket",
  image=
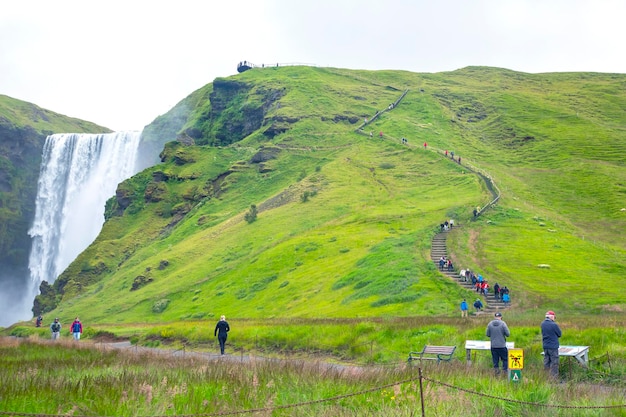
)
(76, 328)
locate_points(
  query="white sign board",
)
(484, 345)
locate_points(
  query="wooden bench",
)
(433, 353)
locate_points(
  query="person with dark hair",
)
(498, 331)
(55, 329)
(76, 328)
(221, 331)
(550, 334)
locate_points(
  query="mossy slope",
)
(344, 219)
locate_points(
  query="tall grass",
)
(79, 378)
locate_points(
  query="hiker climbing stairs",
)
(438, 249)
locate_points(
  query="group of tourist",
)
(445, 264)
(447, 225)
(498, 331)
(76, 329)
(482, 285)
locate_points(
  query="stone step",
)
(439, 249)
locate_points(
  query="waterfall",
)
(79, 173)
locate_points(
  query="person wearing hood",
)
(498, 331)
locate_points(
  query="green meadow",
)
(277, 208)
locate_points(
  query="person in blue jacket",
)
(550, 334)
(221, 331)
(464, 308)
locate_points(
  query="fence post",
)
(422, 392)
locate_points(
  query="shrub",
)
(160, 305)
(250, 216)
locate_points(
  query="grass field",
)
(90, 379)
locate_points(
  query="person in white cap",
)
(550, 333)
(498, 331)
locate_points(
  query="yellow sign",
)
(516, 358)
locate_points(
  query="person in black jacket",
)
(221, 331)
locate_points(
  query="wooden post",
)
(422, 393)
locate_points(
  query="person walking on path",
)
(464, 308)
(550, 333)
(55, 329)
(221, 331)
(498, 331)
(76, 329)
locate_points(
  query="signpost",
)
(480, 345)
(516, 364)
(516, 358)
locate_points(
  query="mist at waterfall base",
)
(79, 173)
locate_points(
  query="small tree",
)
(250, 216)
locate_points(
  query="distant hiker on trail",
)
(442, 262)
(464, 308)
(498, 331)
(478, 305)
(38, 321)
(550, 333)
(380, 134)
(55, 328)
(425, 145)
(506, 299)
(462, 274)
(76, 328)
(221, 331)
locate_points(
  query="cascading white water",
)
(79, 173)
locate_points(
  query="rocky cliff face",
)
(20, 157)
(236, 110)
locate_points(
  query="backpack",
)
(56, 327)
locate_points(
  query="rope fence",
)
(420, 378)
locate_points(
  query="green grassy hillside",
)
(344, 220)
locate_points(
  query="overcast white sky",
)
(122, 63)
